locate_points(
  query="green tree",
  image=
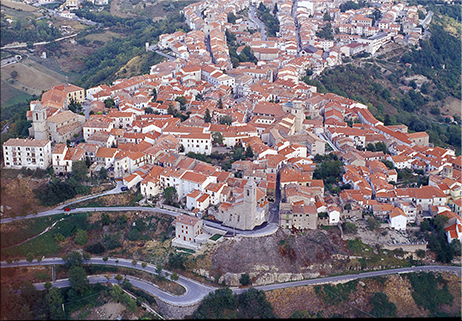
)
(174, 276)
(373, 223)
(109, 103)
(118, 278)
(207, 116)
(134, 262)
(214, 304)
(154, 94)
(78, 279)
(231, 18)
(159, 269)
(253, 305)
(81, 237)
(74, 258)
(86, 256)
(54, 300)
(47, 285)
(102, 173)
(455, 247)
(226, 120)
(350, 228)
(217, 138)
(105, 259)
(144, 264)
(181, 100)
(79, 170)
(170, 195)
(29, 257)
(14, 74)
(244, 279)
(105, 219)
(382, 307)
(249, 152)
(326, 17)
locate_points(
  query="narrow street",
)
(258, 22)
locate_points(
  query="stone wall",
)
(175, 312)
(413, 247)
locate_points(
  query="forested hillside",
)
(103, 64)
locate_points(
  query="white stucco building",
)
(29, 153)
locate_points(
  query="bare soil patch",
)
(109, 311)
(18, 197)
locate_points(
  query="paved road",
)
(196, 291)
(258, 22)
(265, 229)
(60, 209)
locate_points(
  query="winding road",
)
(196, 291)
(265, 229)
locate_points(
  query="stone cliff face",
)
(280, 257)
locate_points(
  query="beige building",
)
(298, 215)
(187, 228)
(419, 138)
(29, 153)
(315, 145)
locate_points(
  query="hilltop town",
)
(154, 131)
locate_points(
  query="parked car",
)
(124, 188)
(67, 209)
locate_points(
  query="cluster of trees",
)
(434, 233)
(102, 65)
(439, 60)
(326, 32)
(28, 30)
(31, 304)
(330, 171)
(15, 115)
(245, 55)
(425, 283)
(58, 190)
(223, 304)
(352, 5)
(269, 19)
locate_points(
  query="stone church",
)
(54, 124)
(247, 208)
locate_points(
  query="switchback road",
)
(196, 291)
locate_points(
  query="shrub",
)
(96, 248)
(350, 228)
(111, 241)
(81, 237)
(382, 308)
(245, 279)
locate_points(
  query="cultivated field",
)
(32, 78)
(19, 6)
(452, 106)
